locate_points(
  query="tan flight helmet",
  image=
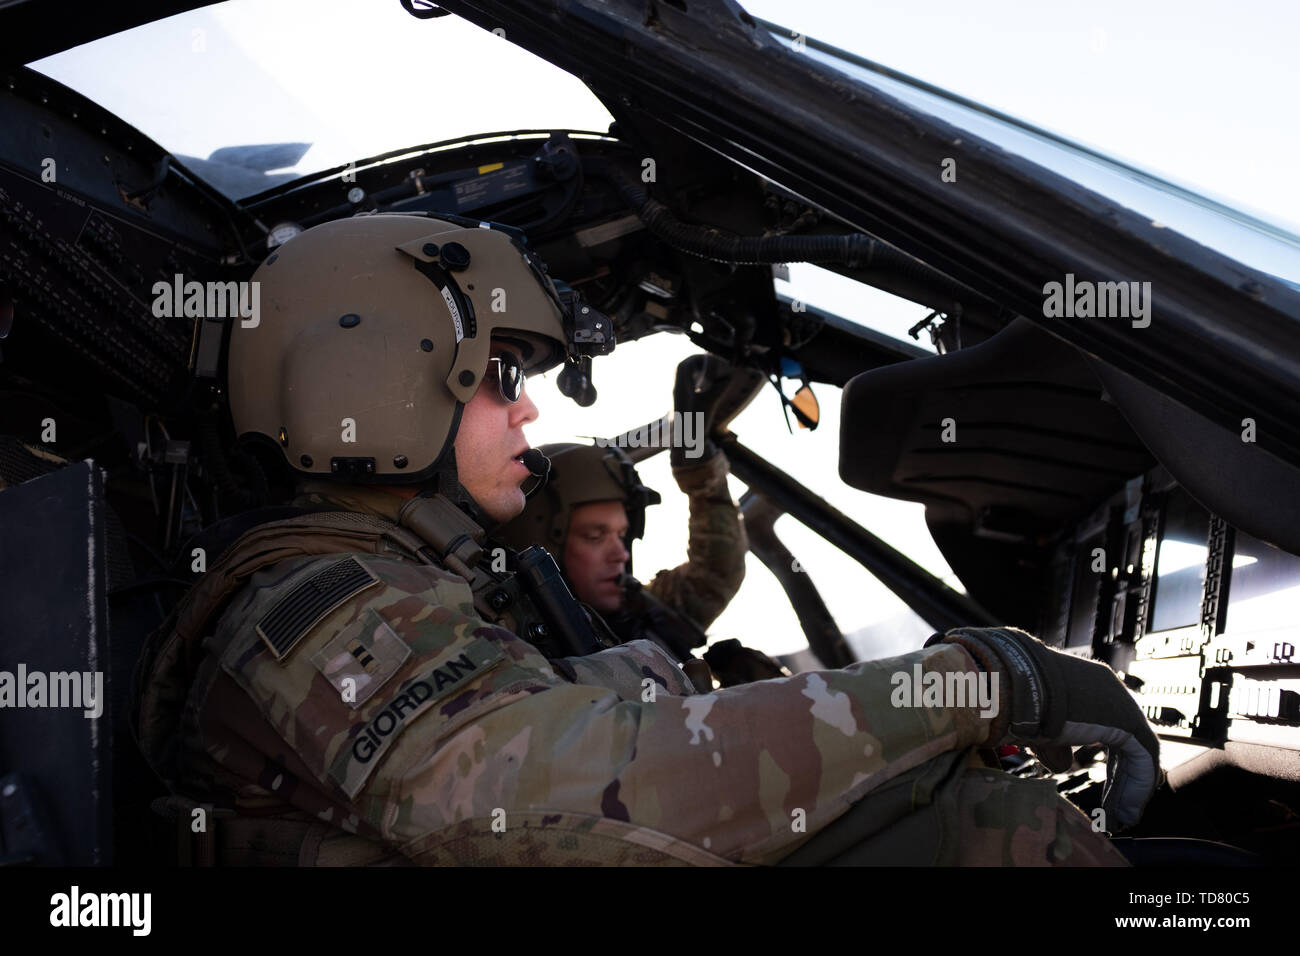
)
(372, 334)
(580, 475)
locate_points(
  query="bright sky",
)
(1199, 91)
(1196, 91)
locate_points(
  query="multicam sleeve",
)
(465, 725)
(626, 669)
(702, 587)
(743, 773)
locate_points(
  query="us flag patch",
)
(307, 605)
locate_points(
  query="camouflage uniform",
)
(460, 743)
(704, 585)
(677, 606)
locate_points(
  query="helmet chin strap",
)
(446, 482)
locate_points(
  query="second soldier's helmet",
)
(580, 474)
(372, 334)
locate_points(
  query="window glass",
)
(1180, 564)
(333, 81)
(1264, 590)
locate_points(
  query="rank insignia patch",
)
(361, 658)
(307, 605)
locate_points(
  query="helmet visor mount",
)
(585, 331)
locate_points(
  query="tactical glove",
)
(1053, 701)
(735, 664)
(710, 387)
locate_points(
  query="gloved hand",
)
(699, 383)
(734, 664)
(711, 388)
(1054, 701)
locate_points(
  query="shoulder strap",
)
(451, 538)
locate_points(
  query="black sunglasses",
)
(509, 376)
